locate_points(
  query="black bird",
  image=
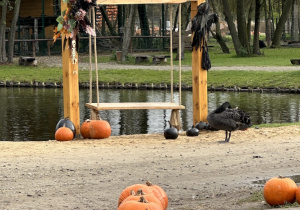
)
(201, 24)
(229, 119)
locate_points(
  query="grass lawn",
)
(252, 79)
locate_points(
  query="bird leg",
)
(227, 139)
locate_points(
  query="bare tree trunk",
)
(250, 15)
(12, 32)
(2, 32)
(128, 31)
(268, 23)
(109, 25)
(185, 14)
(241, 22)
(281, 23)
(231, 26)
(256, 49)
(218, 35)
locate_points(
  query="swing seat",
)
(175, 116)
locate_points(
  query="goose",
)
(228, 119)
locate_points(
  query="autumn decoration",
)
(279, 191)
(99, 129)
(85, 129)
(74, 20)
(63, 134)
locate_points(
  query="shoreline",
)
(149, 86)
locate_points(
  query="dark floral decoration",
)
(201, 24)
(74, 20)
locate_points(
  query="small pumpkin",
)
(142, 203)
(128, 191)
(64, 134)
(192, 131)
(171, 133)
(159, 193)
(280, 190)
(150, 197)
(66, 122)
(85, 129)
(298, 195)
(99, 129)
(201, 125)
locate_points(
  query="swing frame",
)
(71, 89)
(175, 120)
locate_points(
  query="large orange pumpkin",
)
(298, 195)
(141, 204)
(150, 197)
(99, 129)
(280, 190)
(128, 191)
(64, 134)
(85, 129)
(159, 193)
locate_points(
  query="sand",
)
(199, 172)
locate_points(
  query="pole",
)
(70, 82)
(200, 107)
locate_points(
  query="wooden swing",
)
(96, 107)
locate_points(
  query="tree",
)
(106, 19)
(12, 31)
(229, 19)
(218, 35)
(242, 29)
(144, 23)
(185, 18)
(128, 30)
(4, 5)
(280, 25)
(256, 49)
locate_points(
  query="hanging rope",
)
(179, 31)
(90, 58)
(95, 53)
(171, 51)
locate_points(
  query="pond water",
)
(29, 114)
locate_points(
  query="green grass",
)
(273, 125)
(258, 197)
(252, 79)
(270, 57)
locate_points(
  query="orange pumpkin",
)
(298, 195)
(128, 191)
(280, 190)
(64, 134)
(99, 129)
(141, 204)
(159, 193)
(85, 129)
(149, 197)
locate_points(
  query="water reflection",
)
(32, 113)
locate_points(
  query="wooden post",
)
(200, 109)
(70, 83)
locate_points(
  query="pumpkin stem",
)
(143, 200)
(140, 192)
(132, 192)
(149, 183)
